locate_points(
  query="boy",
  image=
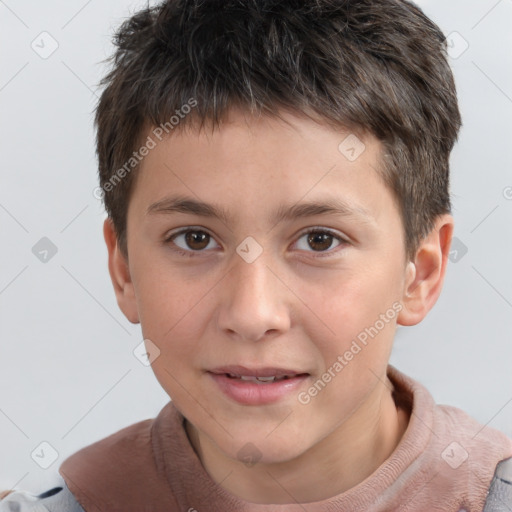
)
(276, 181)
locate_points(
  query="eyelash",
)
(314, 230)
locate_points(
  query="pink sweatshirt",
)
(444, 462)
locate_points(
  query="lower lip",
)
(253, 393)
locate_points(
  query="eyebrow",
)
(329, 206)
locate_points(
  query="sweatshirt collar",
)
(195, 489)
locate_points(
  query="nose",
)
(254, 303)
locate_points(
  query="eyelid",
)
(322, 229)
(179, 231)
(169, 237)
(343, 240)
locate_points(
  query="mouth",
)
(261, 379)
(257, 386)
(267, 374)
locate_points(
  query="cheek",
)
(172, 320)
(170, 312)
(164, 295)
(350, 308)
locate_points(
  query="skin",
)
(296, 306)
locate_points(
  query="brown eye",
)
(197, 240)
(320, 241)
(190, 240)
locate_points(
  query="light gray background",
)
(67, 372)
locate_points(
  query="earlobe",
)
(120, 274)
(425, 275)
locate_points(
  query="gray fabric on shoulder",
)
(57, 499)
(499, 498)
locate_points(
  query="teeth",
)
(258, 379)
(252, 378)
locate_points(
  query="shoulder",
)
(484, 444)
(57, 499)
(116, 457)
(100, 457)
(120, 471)
(455, 456)
(499, 497)
(472, 453)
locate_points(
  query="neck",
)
(340, 461)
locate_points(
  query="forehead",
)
(262, 164)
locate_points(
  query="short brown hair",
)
(377, 66)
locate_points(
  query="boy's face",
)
(212, 303)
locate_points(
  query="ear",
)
(120, 274)
(425, 275)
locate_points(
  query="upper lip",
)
(255, 372)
